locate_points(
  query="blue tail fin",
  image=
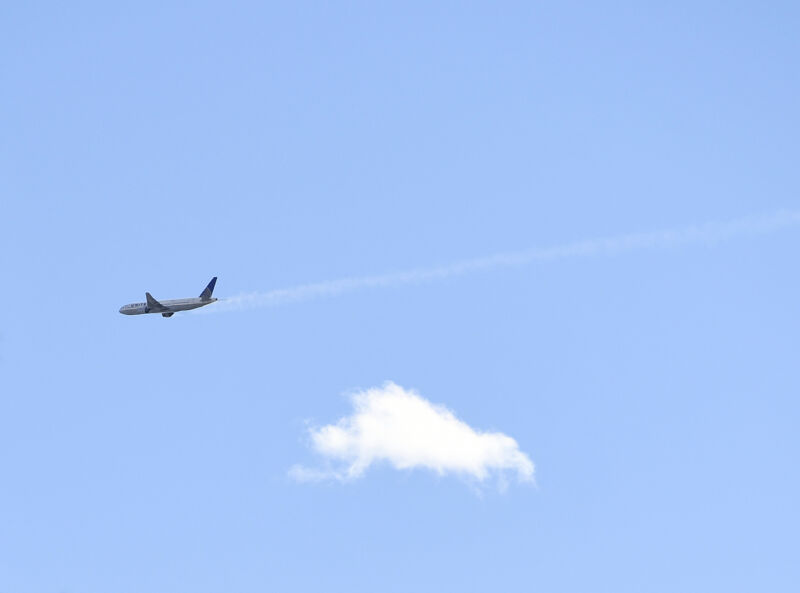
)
(206, 294)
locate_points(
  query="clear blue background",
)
(151, 147)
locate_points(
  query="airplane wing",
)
(153, 305)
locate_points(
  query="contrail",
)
(711, 232)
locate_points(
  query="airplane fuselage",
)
(173, 306)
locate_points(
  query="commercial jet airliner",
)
(169, 308)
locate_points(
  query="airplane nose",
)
(120, 309)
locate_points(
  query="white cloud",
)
(398, 426)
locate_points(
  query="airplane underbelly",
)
(182, 307)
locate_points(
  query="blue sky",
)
(655, 390)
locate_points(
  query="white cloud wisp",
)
(706, 233)
(398, 426)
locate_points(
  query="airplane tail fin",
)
(206, 294)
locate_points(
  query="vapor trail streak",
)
(706, 233)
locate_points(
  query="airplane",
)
(169, 308)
